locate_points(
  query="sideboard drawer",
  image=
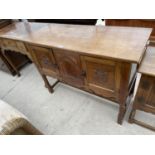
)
(9, 44)
(13, 45)
(102, 76)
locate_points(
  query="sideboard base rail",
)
(48, 85)
(133, 120)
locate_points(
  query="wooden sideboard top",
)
(148, 63)
(122, 43)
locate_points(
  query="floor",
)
(67, 111)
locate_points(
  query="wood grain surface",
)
(122, 43)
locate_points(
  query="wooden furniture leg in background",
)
(7, 64)
(144, 100)
(145, 95)
(14, 61)
(133, 120)
(10, 62)
(132, 115)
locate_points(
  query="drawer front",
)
(70, 67)
(102, 76)
(9, 44)
(44, 59)
(17, 46)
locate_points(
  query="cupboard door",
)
(70, 67)
(45, 60)
(102, 76)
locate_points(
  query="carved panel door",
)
(70, 67)
(45, 60)
(102, 76)
(145, 97)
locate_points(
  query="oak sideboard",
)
(97, 59)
